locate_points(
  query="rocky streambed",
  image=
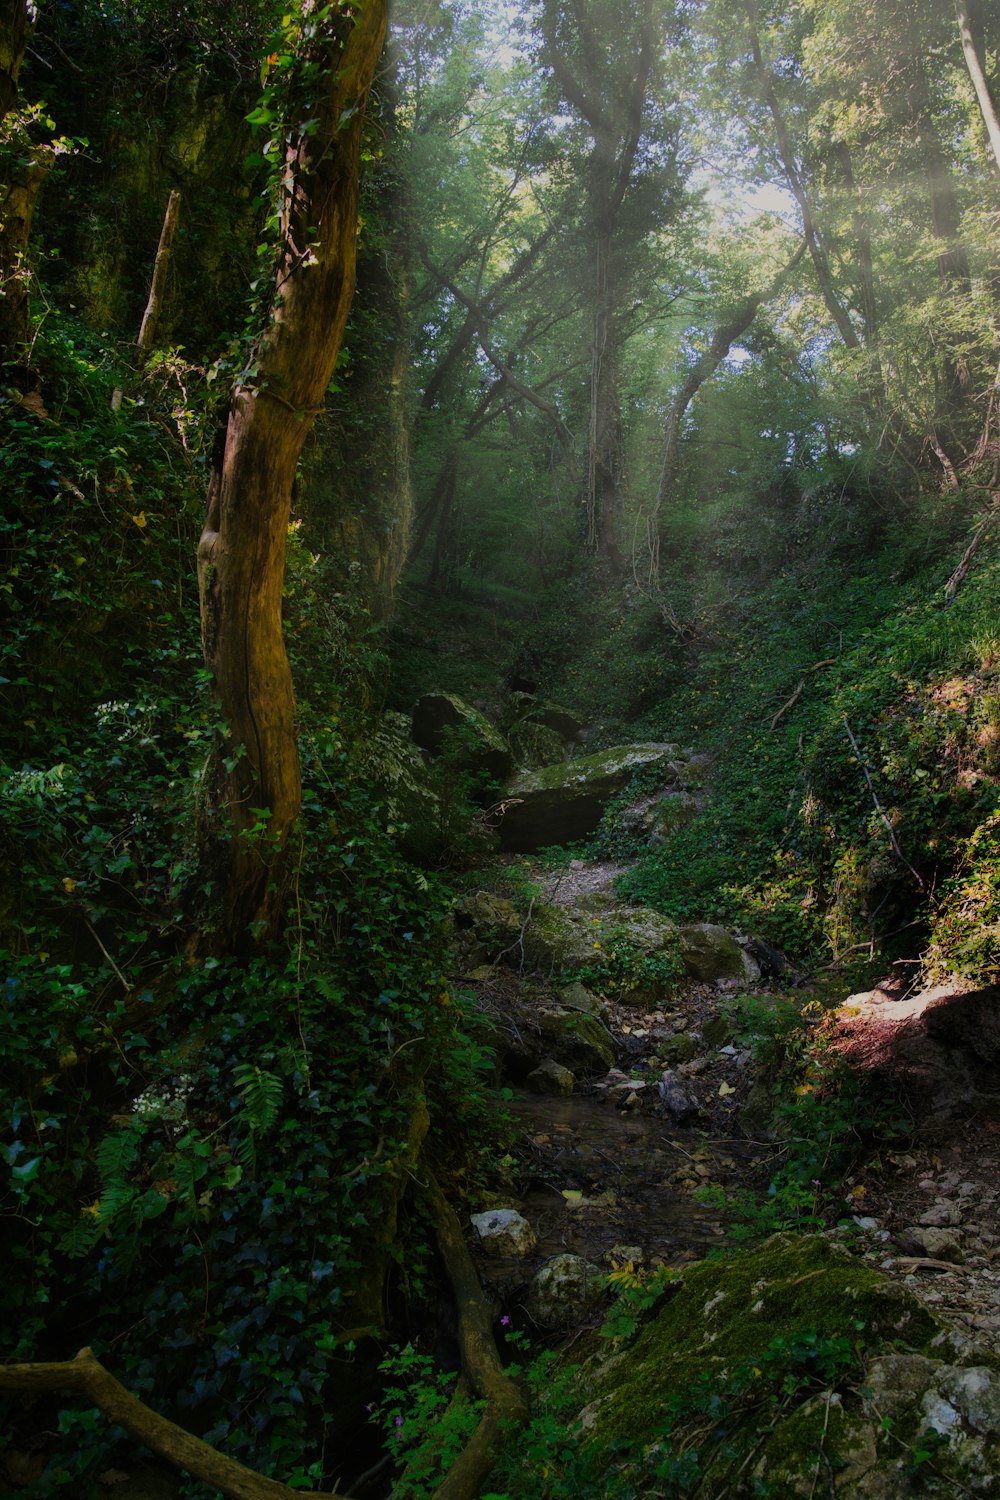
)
(646, 1121)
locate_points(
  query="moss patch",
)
(725, 1313)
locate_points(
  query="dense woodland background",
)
(668, 392)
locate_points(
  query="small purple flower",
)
(505, 1321)
(399, 1421)
(816, 1183)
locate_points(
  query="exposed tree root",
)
(506, 1407)
(88, 1376)
(483, 1378)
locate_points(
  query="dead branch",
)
(958, 577)
(830, 661)
(88, 1376)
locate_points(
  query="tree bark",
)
(976, 72)
(241, 556)
(150, 318)
(87, 1376)
(19, 193)
(793, 176)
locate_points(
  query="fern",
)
(260, 1099)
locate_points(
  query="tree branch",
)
(86, 1375)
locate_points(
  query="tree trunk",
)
(241, 556)
(150, 318)
(976, 72)
(793, 176)
(19, 193)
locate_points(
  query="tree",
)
(24, 166)
(607, 65)
(322, 72)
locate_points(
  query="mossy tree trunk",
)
(241, 558)
(28, 164)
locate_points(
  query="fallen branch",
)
(879, 808)
(830, 661)
(87, 1375)
(958, 577)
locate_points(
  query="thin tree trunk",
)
(795, 181)
(974, 64)
(241, 556)
(722, 341)
(150, 318)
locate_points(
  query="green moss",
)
(605, 770)
(725, 1313)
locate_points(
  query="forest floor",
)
(609, 1173)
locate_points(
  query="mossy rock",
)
(621, 948)
(559, 804)
(755, 1372)
(443, 724)
(406, 783)
(578, 1041)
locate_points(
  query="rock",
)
(710, 953)
(971, 1018)
(563, 723)
(939, 1244)
(614, 939)
(550, 1077)
(576, 1040)
(443, 722)
(680, 1102)
(558, 804)
(406, 783)
(564, 1292)
(963, 1394)
(896, 1380)
(503, 1231)
(680, 1048)
(813, 1443)
(941, 1213)
(577, 997)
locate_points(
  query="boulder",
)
(577, 1040)
(406, 783)
(971, 1018)
(564, 1292)
(550, 1077)
(563, 723)
(561, 803)
(710, 953)
(444, 723)
(503, 1231)
(600, 938)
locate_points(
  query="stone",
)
(710, 953)
(974, 1392)
(577, 997)
(503, 1232)
(550, 1077)
(576, 1040)
(677, 1049)
(561, 803)
(938, 1243)
(941, 1213)
(896, 1380)
(564, 1292)
(443, 721)
(563, 723)
(680, 1102)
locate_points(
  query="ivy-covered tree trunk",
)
(24, 165)
(255, 783)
